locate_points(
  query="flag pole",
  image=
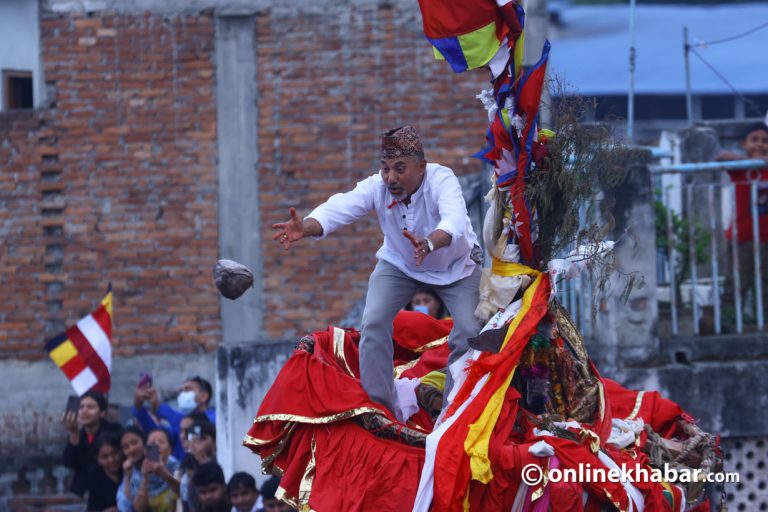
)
(688, 94)
(631, 95)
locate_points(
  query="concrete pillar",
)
(237, 143)
(536, 32)
(626, 323)
(239, 219)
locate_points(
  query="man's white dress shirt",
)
(437, 204)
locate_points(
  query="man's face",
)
(212, 497)
(243, 499)
(756, 144)
(200, 395)
(402, 175)
(202, 448)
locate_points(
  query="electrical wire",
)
(748, 102)
(733, 38)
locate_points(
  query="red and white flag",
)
(84, 351)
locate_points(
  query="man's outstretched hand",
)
(420, 247)
(291, 231)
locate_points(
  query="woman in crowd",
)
(104, 479)
(84, 428)
(148, 484)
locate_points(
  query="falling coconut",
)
(232, 278)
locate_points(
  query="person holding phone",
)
(194, 396)
(84, 426)
(201, 442)
(148, 484)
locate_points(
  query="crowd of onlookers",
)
(163, 460)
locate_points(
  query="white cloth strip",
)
(84, 381)
(97, 338)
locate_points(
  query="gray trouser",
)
(388, 291)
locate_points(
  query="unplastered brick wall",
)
(23, 309)
(114, 182)
(329, 83)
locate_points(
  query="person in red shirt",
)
(755, 145)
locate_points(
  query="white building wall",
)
(20, 41)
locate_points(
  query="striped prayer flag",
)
(84, 351)
(468, 33)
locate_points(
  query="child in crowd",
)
(243, 493)
(211, 489)
(755, 146)
(104, 479)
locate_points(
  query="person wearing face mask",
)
(426, 301)
(428, 240)
(194, 397)
(84, 427)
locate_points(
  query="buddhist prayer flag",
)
(468, 33)
(84, 351)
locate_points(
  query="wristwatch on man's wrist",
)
(430, 245)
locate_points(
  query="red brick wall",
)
(328, 86)
(119, 184)
(23, 308)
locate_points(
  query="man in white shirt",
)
(428, 240)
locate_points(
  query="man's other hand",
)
(290, 231)
(420, 246)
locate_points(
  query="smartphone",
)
(153, 453)
(73, 404)
(145, 380)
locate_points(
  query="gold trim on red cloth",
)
(286, 498)
(338, 348)
(321, 420)
(267, 462)
(404, 367)
(253, 441)
(594, 439)
(431, 344)
(602, 399)
(638, 403)
(305, 486)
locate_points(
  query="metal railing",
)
(700, 208)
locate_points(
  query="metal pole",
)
(692, 258)
(756, 245)
(671, 262)
(736, 270)
(688, 97)
(715, 269)
(631, 95)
